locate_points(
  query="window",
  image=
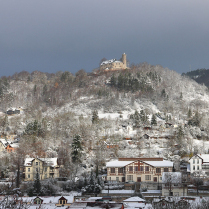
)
(130, 168)
(155, 179)
(45, 169)
(130, 177)
(112, 170)
(141, 168)
(197, 161)
(28, 169)
(28, 175)
(158, 170)
(36, 163)
(146, 168)
(136, 168)
(165, 169)
(120, 170)
(193, 167)
(147, 177)
(161, 178)
(198, 167)
(193, 161)
(117, 178)
(45, 176)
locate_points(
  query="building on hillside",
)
(138, 169)
(11, 147)
(45, 167)
(3, 145)
(199, 164)
(13, 111)
(11, 137)
(113, 64)
(173, 185)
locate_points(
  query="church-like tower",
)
(124, 60)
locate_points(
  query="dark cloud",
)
(69, 35)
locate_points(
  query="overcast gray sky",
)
(69, 35)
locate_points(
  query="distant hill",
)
(201, 76)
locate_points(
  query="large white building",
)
(138, 169)
(199, 164)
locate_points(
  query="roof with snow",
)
(3, 141)
(110, 61)
(48, 161)
(47, 200)
(118, 164)
(134, 199)
(163, 163)
(205, 157)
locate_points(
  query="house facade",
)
(46, 167)
(114, 64)
(138, 169)
(199, 164)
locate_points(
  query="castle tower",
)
(124, 60)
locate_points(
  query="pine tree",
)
(37, 185)
(76, 149)
(189, 114)
(154, 120)
(113, 80)
(95, 117)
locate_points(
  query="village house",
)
(48, 202)
(138, 169)
(11, 147)
(199, 164)
(114, 64)
(45, 167)
(11, 137)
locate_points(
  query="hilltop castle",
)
(114, 64)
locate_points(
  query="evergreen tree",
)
(180, 133)
(143, 116)
(154, 120)
(189, 114)
(76, 149)
(113, 80)
(95, 117)
(44, 90)
(195, 121)
(37, 185)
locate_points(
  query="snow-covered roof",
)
(109, 61)
(163, 163)
(123, 191)
(134, 199)
(118, 164)
(14, 145)
(49, 161)
(205, 157)
(3, 141)
(47, 200)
